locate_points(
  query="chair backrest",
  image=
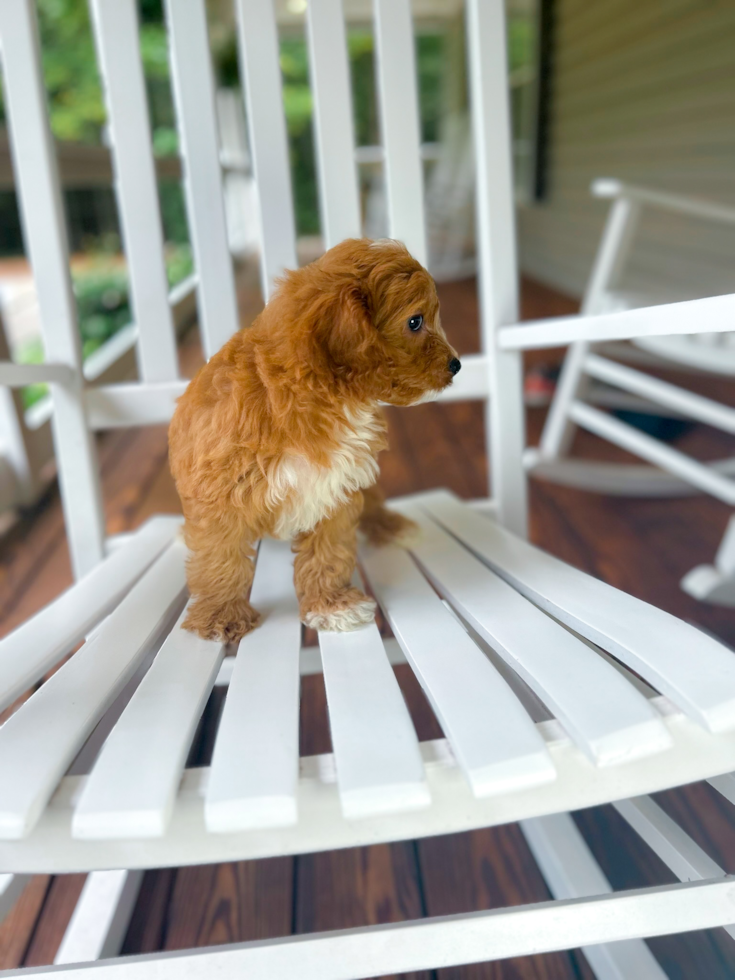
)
(80, 410)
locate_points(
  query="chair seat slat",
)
(693, 670)
(37, 645)
(131, 789)
(39, 741)
(607, 717)
(493, 738)
(256, 756)
(379, 766)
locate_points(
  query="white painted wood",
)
(14, 375)
(132, 403)
(255, 765)
(603, 713)
(620, 433)
(191, 68)
(473, 381)
(571, 871)
(333, 128)
(717, 312)
(612, 253)
(444, 941)
(625, 480)
(493, 739)
(399, 124)
(695, 755)
(725, 785)
(496, 245)
(11, 888)
(379, 766)
(261, 77)
(691, 668)
(36, 646)
(662, 393)
(101, 917)
(664, 836)
(131, 789)
(116, 34)
(39, 741)
(44, 229)
(708, 210)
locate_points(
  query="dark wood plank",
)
(229, 903)
(58, 906)
(629, 863)
(17, 929)
(488, 869)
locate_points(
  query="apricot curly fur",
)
(278, 434)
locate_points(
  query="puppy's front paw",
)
(385, 526)
(341, 611)
(227, 623)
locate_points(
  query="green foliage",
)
(103, 306)
(521, 41)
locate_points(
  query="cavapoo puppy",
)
(278, 435)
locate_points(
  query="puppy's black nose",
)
(454, 365)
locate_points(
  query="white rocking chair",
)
(554, 690)
(669, 472)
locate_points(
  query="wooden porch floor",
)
(642, 546)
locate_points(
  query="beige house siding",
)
(644, 91)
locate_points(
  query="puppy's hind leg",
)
(382, 526)
(219, 573)
(323, 567)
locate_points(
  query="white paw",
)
(343, 620)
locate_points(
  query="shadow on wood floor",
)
(642, 546)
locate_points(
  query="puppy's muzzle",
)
(454, 365)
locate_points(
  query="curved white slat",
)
(32, 649)
(44, 232)
(493, 738)
(131, 789)
(335, 138)
(609, 719)
(399, 123)
(261, 75)
(379, 767)
(695, 671)
(256, 756)
(39, 741)
(194, 91)
(322, 825)
(571, 871)
(118, 44)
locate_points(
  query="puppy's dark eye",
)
(415, 322)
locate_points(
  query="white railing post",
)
(399, 123)
(118, 46)
(191, 67)
(496, 241)
(44, 228)
(261, 78)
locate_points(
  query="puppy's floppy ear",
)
(351, 332)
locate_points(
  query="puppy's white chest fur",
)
(305, 493)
